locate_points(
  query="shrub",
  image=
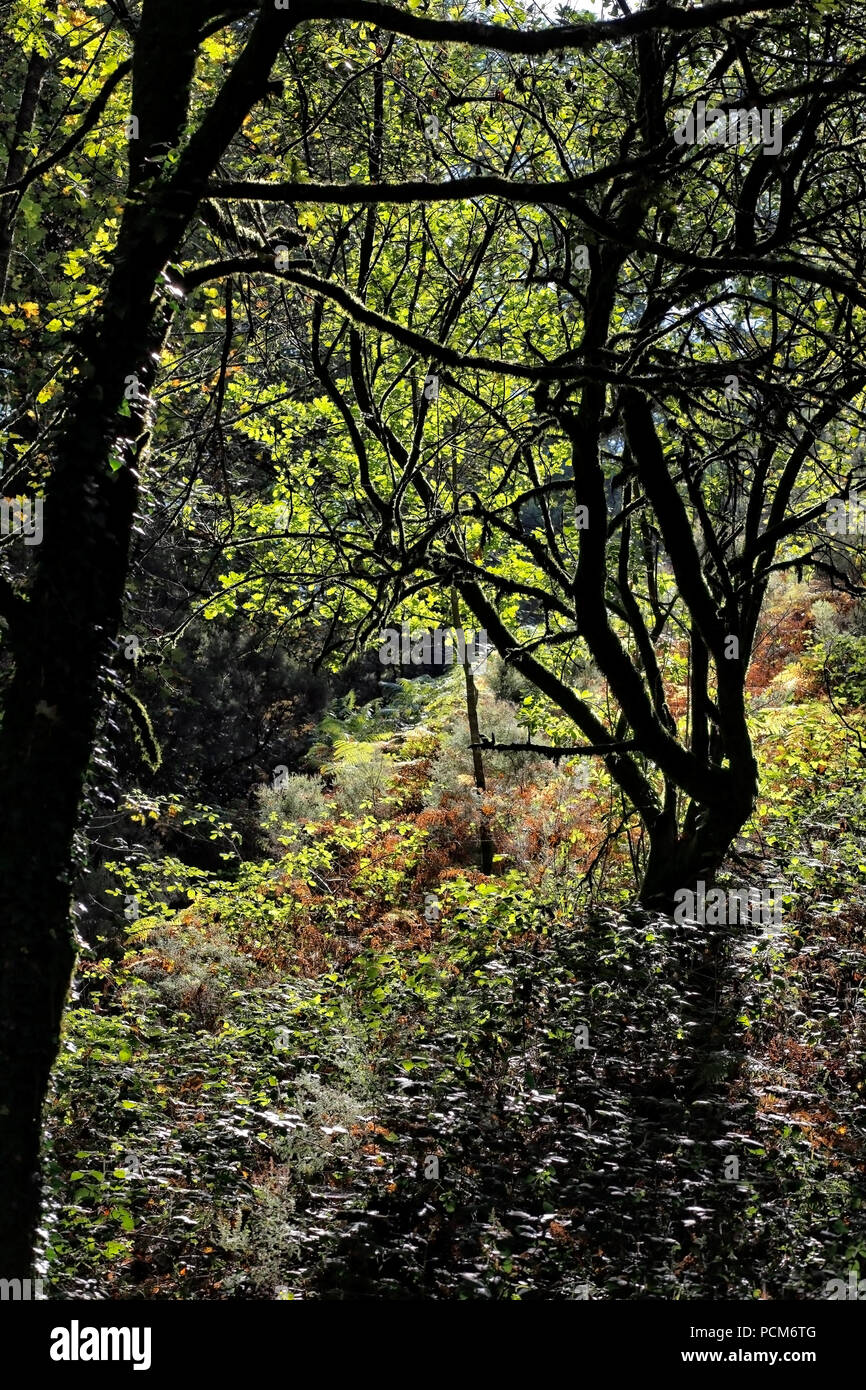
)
(192, 970)
(845, 668)
(284, 809)
(363, 774)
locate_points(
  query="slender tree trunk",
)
(485, 833)
(16, 163)
(678, 858)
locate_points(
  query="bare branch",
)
(552, 39)
(555, 753)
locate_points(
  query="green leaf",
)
(124, 1216)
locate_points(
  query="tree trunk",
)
(36, 70)
(681, 860)
(485, 834)
(61, 637)
(61, 640)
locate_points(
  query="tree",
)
(142, 139)
(63, 616)
(643, 442)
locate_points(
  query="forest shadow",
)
(613, 1169)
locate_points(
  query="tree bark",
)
(61, 637)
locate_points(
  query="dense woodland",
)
(335, 335)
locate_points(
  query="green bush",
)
(298, 801)
(845, 669)
(362, 774)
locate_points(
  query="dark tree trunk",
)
(61, 637)
(61, 641)
(60, 645)
(680, 860)
(37, 67)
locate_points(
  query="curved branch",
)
(551, 39)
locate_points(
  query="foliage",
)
(289, 806)
(429, 316)
(308, 1085)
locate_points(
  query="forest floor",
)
(356, 1066)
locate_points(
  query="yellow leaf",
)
(214, 48)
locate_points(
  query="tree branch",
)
(558, 194)
(551, 39)
(581, 750)
(96, 109)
